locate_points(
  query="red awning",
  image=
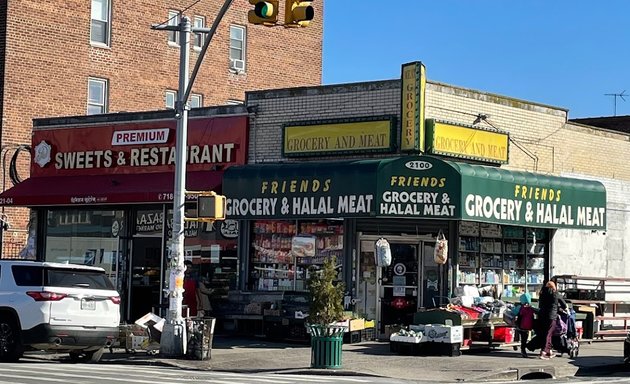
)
(106, 189)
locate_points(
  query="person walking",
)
(548, 304)
(524, 320)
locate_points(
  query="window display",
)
(283, 251)
(511, 259)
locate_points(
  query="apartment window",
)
(237, 48)
(196, 100)
(97, 96)
(171, 98)
(199, 22)
(173, 19)
(99, 30)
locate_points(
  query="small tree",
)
(326, 294)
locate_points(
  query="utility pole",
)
(173, 339)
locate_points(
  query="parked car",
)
(58, 308)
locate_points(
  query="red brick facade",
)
(46, 59)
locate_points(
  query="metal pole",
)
(173, 340)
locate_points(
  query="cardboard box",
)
(439, 333)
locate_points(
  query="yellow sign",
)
(363, 136)
(412, 107)
(467, 142)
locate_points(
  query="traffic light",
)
(298, 13)
(264, 12)
(211, 206)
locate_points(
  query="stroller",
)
(565, 340)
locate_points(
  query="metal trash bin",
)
(326, 345)
(200, 334)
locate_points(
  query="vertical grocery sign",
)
(412, 107)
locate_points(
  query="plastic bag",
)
(383, 253)
(440, 254)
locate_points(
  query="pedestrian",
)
(203, 295)
(548, 304)
(524, 320)
(190, 290)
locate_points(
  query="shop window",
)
(212, 249)
(283, 252)
(507, 260)
(84, 236)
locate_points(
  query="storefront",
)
(101, 191)
(498, 224)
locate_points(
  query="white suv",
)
(56, 307)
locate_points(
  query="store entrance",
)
(413, 281)
(398, 286)
(146, 272)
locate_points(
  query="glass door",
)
(146, 269)
(398, 291)
(432, 275)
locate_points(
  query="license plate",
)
(88, 305)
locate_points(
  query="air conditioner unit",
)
(237, 65)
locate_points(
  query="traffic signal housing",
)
(211, 207)
(264, 12)
(298, 13)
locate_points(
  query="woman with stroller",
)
(548, 304)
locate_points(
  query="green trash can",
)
(326, 345)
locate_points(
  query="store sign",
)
(132, 147)
(422, 187)
(542, 201)
(306, 191)
(466, 142)
(336, 137)
(412, 107)
(414, 187)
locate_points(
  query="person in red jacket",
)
(190, 291)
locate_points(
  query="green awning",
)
(413, 187)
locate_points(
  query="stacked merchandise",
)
(429, 339)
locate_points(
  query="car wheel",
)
(10, 344)
(87, 356)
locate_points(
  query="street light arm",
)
(213, 29)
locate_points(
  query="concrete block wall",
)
(601, 254)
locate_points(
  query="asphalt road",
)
(28, 372)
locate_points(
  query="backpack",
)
(526, 318)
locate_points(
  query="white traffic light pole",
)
(173, 339)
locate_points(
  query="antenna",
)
(616, 95)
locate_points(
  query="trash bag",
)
(383, 253)
(440, 253)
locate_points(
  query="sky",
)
(561, 53)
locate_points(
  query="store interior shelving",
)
(512, 259)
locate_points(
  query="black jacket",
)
(548, 304)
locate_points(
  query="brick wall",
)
(49, 59)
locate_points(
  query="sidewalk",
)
(374, 358)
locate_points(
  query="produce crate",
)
(368, 334)
(352, 337)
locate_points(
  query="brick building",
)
(277, 189)
(67, 58)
